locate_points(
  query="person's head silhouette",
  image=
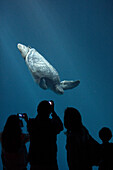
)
(13, 124)
(44, 109)
(105, 134)
(72, 119)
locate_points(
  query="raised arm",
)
(0, 136)
(56, 120)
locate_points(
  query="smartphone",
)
(50, 102)
(21, 115)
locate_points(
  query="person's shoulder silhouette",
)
(106, 149)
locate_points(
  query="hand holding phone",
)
(23, 115)
(51, 102)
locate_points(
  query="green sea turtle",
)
(43, 72)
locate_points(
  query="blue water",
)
(76, 37)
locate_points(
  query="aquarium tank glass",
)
(76, 37)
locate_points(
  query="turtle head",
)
(23, 49)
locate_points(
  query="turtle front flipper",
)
(43, 84)
(69, 84)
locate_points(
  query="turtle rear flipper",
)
(43, 84)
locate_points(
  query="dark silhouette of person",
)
(79, 144)
(106, 149)
(14, 153)
(43, 132)
(0, 136)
